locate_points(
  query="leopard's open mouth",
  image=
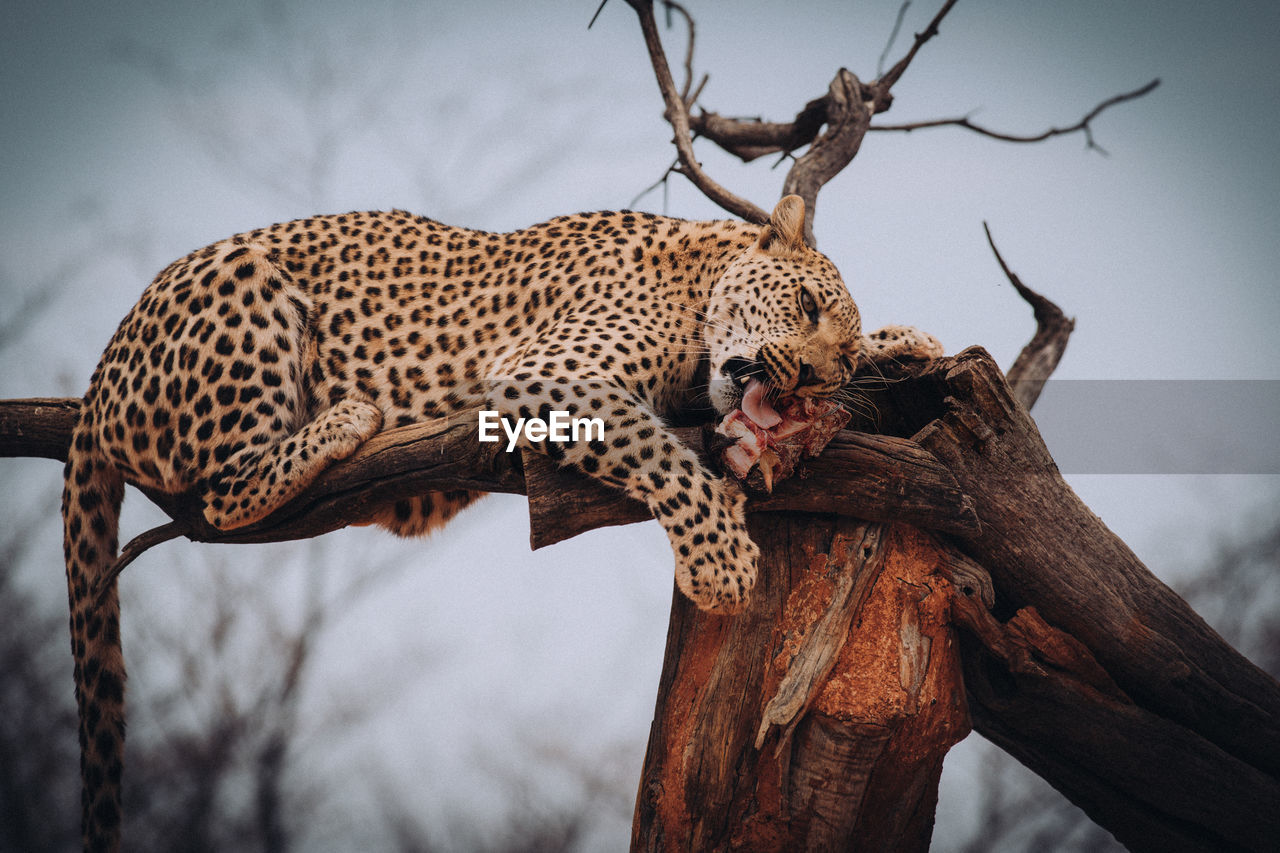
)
(744, 375)
(763, 439)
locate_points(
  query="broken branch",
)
(885, 83)
(677, 114)
(139, 544)
(1040, 357)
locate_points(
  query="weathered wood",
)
(39, 427)
(819, 716)
(1038, 693)
(874, 477)
(1040, 357)
(1044, 548)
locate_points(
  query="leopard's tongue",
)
(756, 407)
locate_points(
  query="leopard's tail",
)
(92, 493)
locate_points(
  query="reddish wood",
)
(819, 718)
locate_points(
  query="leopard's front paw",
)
(901, 342)
(715, 557)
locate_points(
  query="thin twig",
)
(140, 543)
(1084, 125)
(599, 9)
(678, 116)
(893, 36)
(697, 93)
(661, 182)
(1040, 357)
(885, 83)
(669, 5)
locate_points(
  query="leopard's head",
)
(781, 314)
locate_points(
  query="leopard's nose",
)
(806, 375)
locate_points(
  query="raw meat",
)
(764, 441)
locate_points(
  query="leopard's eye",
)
(846, 364)
(808, 305)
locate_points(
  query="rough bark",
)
(1043, 547)
(1187, 754)
(819, 718)
(39, 427)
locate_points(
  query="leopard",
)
(250, 366)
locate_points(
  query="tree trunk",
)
(818, 719)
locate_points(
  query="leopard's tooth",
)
(766, 469)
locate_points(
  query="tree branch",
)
(137, 546)
(861, 475)
(1037, 693)
(893, 36)
(1040, 357)
(885, 83)
(1084, 125)
(678, 115)
(875, 477)
(748, 139)
(849, 110)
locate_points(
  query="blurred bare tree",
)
(217, 692)
(603, 785)
(38, 751)
(322, 124)
(221, 726)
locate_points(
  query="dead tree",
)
(930, 573)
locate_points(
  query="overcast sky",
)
(132, 133)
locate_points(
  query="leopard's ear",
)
(785, 232)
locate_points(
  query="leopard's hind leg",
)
(255, 482)
(250, 420)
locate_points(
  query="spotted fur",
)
(250, 366)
